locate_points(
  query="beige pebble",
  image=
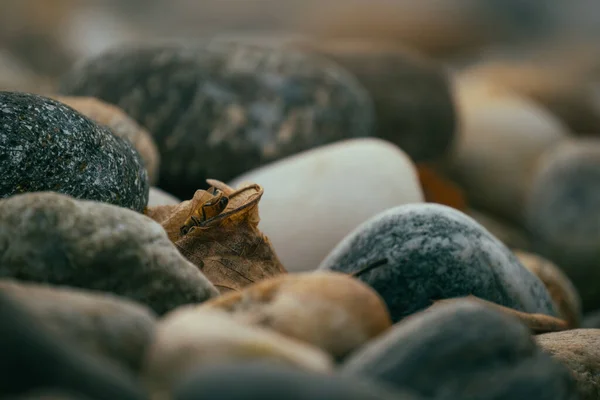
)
(579, 351)
(191, 337)
(332, 311)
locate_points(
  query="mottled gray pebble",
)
(262, 380)
(98, 323)
(221, 108)
(47, 146)
(563, 214)
(52, 238)
(463, 350)
(430, 252)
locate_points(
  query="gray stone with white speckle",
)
(434, 252)
(47, 146)
(51, 238)
(463, 350)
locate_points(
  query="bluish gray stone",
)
(430, 252)
(47, 146)
(221, 108)
(463, 350)
(47, 237)
(563, 215)
(262, 380)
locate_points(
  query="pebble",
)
(463, 350)
(411, 94)
(158, 197)
(191, 337)
(579, 351)
(514, 237)
(415, 254)
(500, 138)
(121, 125)
(562, 214)
(221, 108)
(100, 324)
(34, 359)
(53, 238)
(47, 146)
(566, 299)
(332, 311)
(314, 199)
(262, 380)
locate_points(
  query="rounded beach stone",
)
(34, 358)
(191, 337)
(411, 94)
(332, 311)
(221, 108)
(500, 138)
(463, 350)
(121, 125)
(158, 197)
(562, 214)
(52, 238)
(566, 299)
(47, 146)
(415, 254)
(579, 351)
(262, 380)
(314, 199)
(101, 324)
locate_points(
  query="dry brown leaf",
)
(225, 244)
(537, 323)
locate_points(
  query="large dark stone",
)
(430, 252)
(463, 350)
(262, 380)
(47, 146)
(221, 108)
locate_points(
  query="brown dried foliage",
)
(228, 247)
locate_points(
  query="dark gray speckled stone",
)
(221, 108)
(434, 252)
(47, 146)
(52, 238)
(463, 350)
(563, 214)
(262, 380)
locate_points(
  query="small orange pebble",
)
(438, 189)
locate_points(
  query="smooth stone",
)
(463, 350)
(579, 351)
(512, 236)
(332, 311)
(47, 146)
(34, 359)
(56, 239)
(500, 138)
(314, 199)
(158, 197)
(100, 324)
(562, 214)
(433, 252)
(566, 299)
(591, 320)
(121, 125)
(191, 337)
(261, 380)
(565, 90)
(244, 103)
(413, 101)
